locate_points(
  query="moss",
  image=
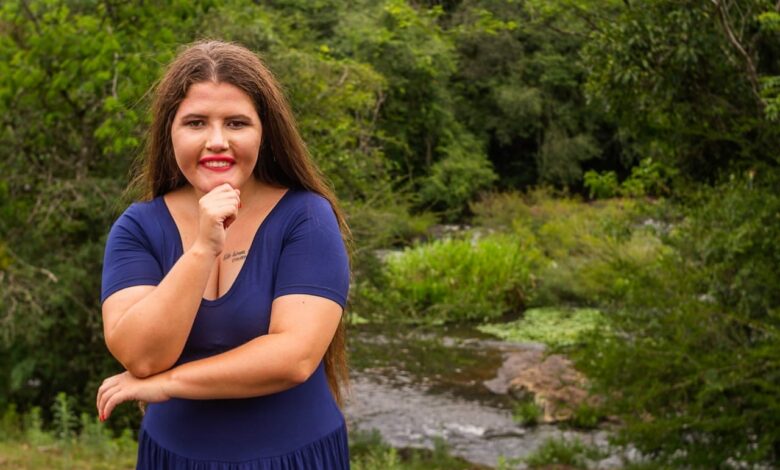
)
(552, 326)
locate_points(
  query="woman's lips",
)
(218, 163)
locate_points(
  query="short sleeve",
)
(128, 260)
(314, 259)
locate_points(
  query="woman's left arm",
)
(302, 326)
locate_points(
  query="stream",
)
(416, 386)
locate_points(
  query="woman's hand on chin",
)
(125, 387)
(217, 210)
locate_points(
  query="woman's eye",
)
(237, 124)
(194, 123)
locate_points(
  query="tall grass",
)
(66, 442)
(540, 251)
(462, 279)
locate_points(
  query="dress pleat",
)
(331, 452)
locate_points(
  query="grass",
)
(43, 450)
(529, 250)
(526, 412)
(369, 452)
(571, 453)
(16, 454)
(460, 279)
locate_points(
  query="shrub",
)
(454, 180)
(526, 412)
(601, 185)
(498, 211)
(691, 361)
(461, 279)
(562, 452)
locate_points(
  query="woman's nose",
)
(216, 140)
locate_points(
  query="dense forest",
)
(631, 145)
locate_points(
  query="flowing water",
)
(417, 386)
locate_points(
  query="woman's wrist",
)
(202, 251)
(167, 385)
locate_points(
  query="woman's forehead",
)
(210, 97)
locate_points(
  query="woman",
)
(223, 292)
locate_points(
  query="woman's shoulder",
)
(300, 205)
(306, 202)
(140, 216)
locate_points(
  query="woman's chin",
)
(206, 187)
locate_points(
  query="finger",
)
(102, 399)
(105, 397)
(107, 384)
(112, 403)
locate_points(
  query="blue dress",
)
(296, 250)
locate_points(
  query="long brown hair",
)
(283, 161)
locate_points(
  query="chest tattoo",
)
(236, 255)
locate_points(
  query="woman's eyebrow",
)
(193, 116)
(203, 116)
(239, 116)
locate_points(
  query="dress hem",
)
(330, 451)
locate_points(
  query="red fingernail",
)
(239, 204)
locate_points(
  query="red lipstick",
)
(217, 162)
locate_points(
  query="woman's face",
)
(216, 136)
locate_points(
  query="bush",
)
(691, 360)
(649, 178)
(498, 211)
(601, 185)
(461, 279)
(602, 273)
(562, 452)
(526, 412)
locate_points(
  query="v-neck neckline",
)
(180, 246)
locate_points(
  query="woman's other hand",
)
(217, 210)
(125, 387)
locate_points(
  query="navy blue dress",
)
(297, 249)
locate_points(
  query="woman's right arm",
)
(146, 327)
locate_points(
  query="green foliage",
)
(33, 428)
(690, 360)
(683, 80)
(649, 178)
(560, 156)
(498, 211)
(582, 254)
(456, 179)
(460, 279)
(520, 87)
(526, 412)
(369, 452)
(552, 326)
(601, 185)
(65, 421)
(66, 443)
(587, 416)
(10, 423)
(593, 249)
(571, 453)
